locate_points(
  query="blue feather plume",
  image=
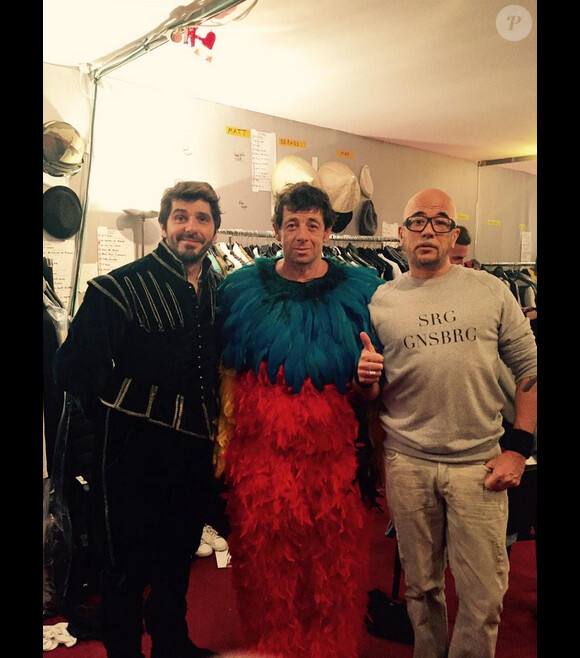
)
(311, 328)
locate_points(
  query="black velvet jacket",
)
(147, 345)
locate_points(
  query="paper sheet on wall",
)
(390, 231)
(263, 160)
(88, 271)
(526, 246)
(61, 254)
(114, 248)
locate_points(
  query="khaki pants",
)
(442, 512)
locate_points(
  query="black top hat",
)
(61, 212)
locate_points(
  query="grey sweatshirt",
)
(443, 339)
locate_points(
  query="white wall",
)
(508, 206)
(145, 139)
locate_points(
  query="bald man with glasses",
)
(444, 330)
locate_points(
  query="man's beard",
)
(191, 258)
(422, 264)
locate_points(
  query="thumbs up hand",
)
(370, 364)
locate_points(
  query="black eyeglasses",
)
(439, 224)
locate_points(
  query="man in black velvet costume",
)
(141, 358)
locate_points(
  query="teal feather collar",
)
(310, 328)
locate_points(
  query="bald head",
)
(427, 249)
(430, 202)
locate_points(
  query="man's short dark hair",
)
(463, 238)
(303, 196)
(190, 191)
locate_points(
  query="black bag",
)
(388, 619)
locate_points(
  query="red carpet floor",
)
(214, 620)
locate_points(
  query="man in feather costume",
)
(287, 436)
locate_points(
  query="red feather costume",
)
(297, 519)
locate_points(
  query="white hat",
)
(293, 169)
(366, 182)
(341, 185)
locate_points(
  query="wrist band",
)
(518, 441)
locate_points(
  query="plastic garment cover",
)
(71, 563)
(56, 530)
(57, 535)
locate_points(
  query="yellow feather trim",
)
(226, 422)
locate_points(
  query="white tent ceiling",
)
(457, 77)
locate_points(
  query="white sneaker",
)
(210, 536)
(204, 550)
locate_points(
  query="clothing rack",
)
(384, 256)
(333, 236)
(518, 277)
(510, 264)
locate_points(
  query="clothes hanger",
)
(239, 253)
